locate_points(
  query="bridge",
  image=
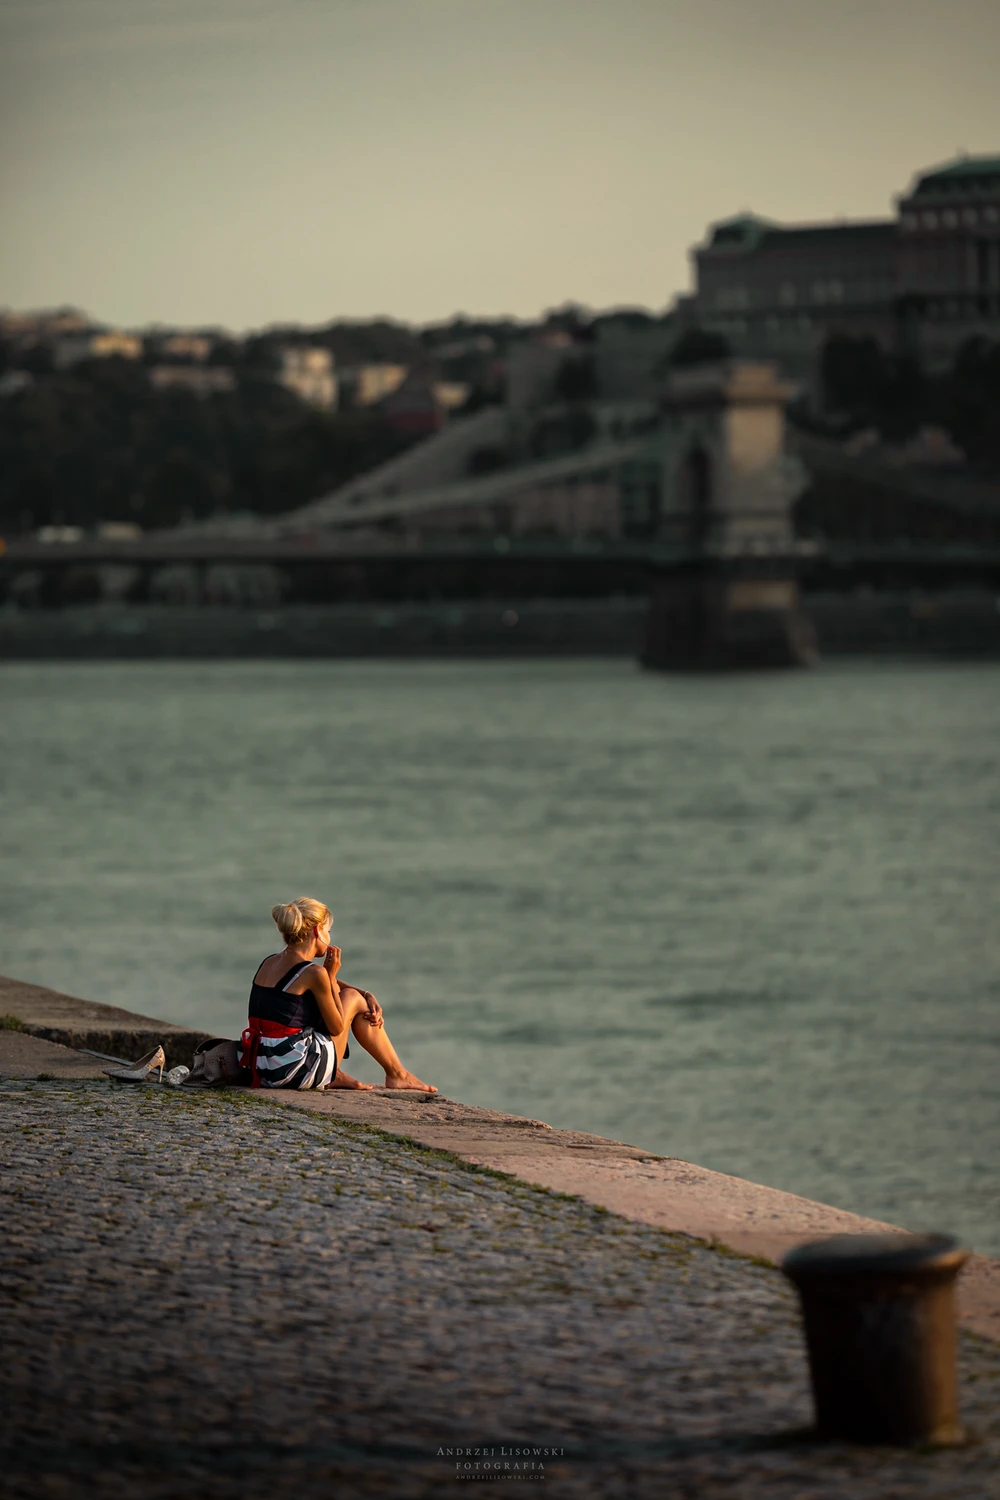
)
(685, 498)
(216, 570)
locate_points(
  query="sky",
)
(239, 163)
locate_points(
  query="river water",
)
(748, 921)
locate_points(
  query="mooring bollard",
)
(879, 1313)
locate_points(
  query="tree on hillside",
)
(576, 380)
(873, 387)
(98, 444)
(378, 342)
(853, 372)
(904, 399)
(698, 346)
(970, 401)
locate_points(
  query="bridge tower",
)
(724, 592)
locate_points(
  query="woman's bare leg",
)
(375, 1041)
(342, 1080)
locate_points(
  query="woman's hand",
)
(331, 962)
(374, 1015)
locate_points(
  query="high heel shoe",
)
(138, 1072)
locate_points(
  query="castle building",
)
(948, 258)
(922, 282)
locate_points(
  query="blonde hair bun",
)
(299, 917)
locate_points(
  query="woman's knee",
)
(352, 1003)
(360, 1023)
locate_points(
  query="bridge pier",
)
(706, 618)
(724, 592)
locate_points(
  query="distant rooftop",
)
(748, 232)
(815, 234)
(963, 173)
(742, 231)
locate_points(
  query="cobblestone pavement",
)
(206, 1295)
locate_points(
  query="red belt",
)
(256, 1028)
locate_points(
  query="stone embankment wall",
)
(214, 1296)
(35, 1011)
(957, 625)
(672, 1195)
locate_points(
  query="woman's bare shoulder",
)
(319, 979)
(313, 977)
(269, 969)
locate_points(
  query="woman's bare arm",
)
(323, 983)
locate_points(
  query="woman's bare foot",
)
(345, 1081)
(408, 1081)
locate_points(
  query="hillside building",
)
(198, 380)
(109, 343)
(922, 282)
(948, 258)
(29, 328)
(196, 347)
(308, 372)
(372, 383)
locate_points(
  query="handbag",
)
(216, 1064)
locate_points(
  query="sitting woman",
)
(301, 1016)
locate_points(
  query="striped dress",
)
(285, 1045)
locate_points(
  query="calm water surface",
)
(747, 921)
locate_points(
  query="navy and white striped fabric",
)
(305, 1060)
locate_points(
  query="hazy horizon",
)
(241, 163)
